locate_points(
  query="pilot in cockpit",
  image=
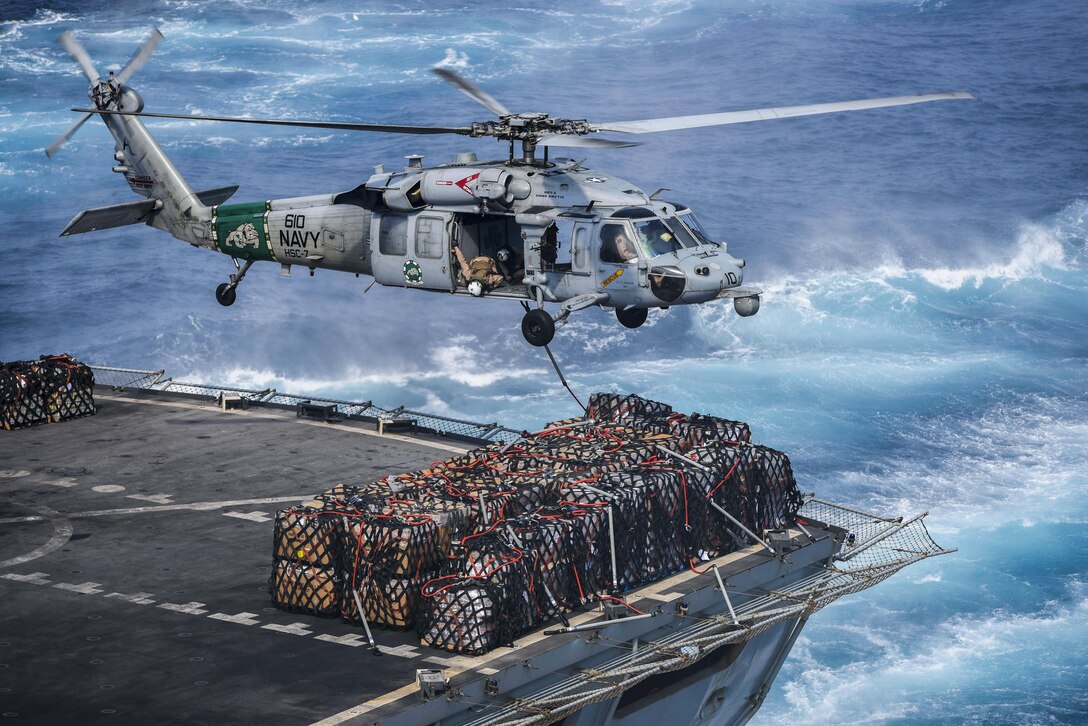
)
(623, 248)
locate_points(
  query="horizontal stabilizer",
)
(213, 197)
(115, 215)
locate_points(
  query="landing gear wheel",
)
(538, 327)
(225, 294)
(632, 317)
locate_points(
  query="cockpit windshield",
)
(692, 222)
(656, 235)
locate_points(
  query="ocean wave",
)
(906, 675)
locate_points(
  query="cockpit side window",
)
(616, 245)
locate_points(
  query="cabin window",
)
(429, 237)
(393, 236)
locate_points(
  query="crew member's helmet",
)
(476, 288)
(504, 254)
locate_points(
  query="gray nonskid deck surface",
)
(135, 549)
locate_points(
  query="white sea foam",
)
(907, 673)
(460, 362)
(454, 59)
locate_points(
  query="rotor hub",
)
(530, 127)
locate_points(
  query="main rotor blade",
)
(384, 128)
(61, 140)
(584, 141)
(472, 91)
(79, 53)
(136, 62)
(675, 123)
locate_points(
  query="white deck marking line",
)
(136, 598)
(189, 608)
(256, 516)
(292, 629)
(84, 588)
(153, 498)
(256, 414)
(242, 618)
(34, 578)
(62, 532)
(350, 639)
(195, 506)
(198, 608)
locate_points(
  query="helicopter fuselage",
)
(557, 221)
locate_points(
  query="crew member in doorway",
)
(549, 246)
(509, 265)
(480, 275)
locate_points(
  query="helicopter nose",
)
(668, 282)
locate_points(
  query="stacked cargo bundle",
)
(385, 560)
(647, 511)
(48, 390)
(306, 562)
(483, 597)
(477, 549)
(754, 484)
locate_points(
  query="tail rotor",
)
(105, 93)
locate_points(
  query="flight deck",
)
(136, 549)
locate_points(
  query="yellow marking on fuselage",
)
(611, 278)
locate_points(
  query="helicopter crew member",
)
(480, 275)
(616, 247)
(549, 246)
(508, 265)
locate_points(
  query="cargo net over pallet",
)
(477, 549)
(48, 390)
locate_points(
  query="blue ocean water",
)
(923, 340)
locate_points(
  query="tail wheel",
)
(632, 317)
(225, 294)
(538, 327)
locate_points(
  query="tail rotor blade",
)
(77, 51)
(136, 62)
(471, 90)
(61, 140)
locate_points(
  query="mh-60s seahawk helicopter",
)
(536, 230)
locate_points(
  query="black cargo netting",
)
(306, 535)
(647, 513)
(300, 588)
(306, 554)
(49, 390)
(615, 407)
(484, 597)
(385, 558)
(565, 548)
(475, 550)
(697, 430)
